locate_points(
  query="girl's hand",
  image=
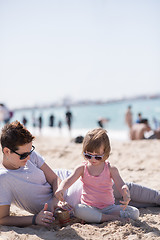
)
(64, 206)
(126, 197)
(44, 217)
(59, 194)
(125, 203)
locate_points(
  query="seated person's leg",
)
(140, 196)
(94, 215)
(129, 212)
(87, 213)
(62, 173)
(143, 194)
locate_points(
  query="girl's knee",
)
(130, 212)
(134, 213)
(78, 210)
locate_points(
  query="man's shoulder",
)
(37, 159)
(35, 155)
(3, 173)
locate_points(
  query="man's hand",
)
(44, 217)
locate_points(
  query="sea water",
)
(85, 117)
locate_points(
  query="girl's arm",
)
(66, 183)
(121, 186)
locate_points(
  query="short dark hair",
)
(14, 135)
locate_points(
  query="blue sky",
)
(82, 49)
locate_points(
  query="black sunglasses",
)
(90, 156)
(24, 155)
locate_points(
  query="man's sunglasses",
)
(90, 156)
(24, 155)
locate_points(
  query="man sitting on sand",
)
(138, 130)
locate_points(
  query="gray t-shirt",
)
(26, 187)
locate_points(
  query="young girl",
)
(96, 173)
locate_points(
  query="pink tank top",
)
(97, 190)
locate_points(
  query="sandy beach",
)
(137, 161)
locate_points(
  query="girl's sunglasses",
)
(90, 156)
(24, 155)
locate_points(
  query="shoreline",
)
(120, 135)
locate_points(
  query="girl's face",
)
(96, 157)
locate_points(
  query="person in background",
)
(51, 120)
(4, 114)
(24, 120)
(156, 123)
(139, 118)
(97, 199)
(102, 121)
(69, 118)
(128, 117)
(40, 122)
(138, 130)
(34, 122)
(59, 125)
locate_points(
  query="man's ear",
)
(6, 150)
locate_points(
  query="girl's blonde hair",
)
(96, 138)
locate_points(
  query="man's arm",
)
(44, 218)
(53, 180)
(51, 177)
(6, 219)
